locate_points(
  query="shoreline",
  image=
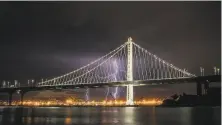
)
(158, 106)
(84, 106)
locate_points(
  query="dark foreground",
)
(110, 116)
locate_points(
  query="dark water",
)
(110, 116)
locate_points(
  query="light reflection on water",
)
(110, 116)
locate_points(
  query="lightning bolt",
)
(115, 79)
(107, 93)
(87, 94)
(115, 93)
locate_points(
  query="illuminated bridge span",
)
(127, 63)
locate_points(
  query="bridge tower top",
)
(130, 40)
(130, 59)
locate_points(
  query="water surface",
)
(110, 116)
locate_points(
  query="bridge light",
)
(8, 83)
(202, 71)
(218, 71)
(16, 82)
(215, 70)
(4, 84)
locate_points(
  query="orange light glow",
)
(72, 102)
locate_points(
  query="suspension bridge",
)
(128, 65)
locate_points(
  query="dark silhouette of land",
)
(212, 97)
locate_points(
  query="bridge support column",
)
(129, 95)
(199, 88)
(129, 90)
(206, 87)
(10, 98)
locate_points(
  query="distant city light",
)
(73, 102)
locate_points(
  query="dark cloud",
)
(44, 39)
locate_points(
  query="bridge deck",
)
(213, 78)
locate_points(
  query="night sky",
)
(46, 39)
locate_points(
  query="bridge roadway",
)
(199, 79)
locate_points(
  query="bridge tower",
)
(129, 89)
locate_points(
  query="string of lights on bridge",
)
(147, 66)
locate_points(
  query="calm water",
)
(110, 116)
